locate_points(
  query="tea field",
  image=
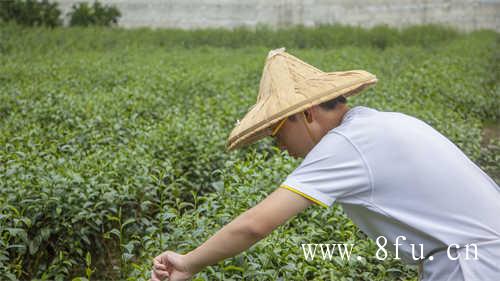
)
(112, 145)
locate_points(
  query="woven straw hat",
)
(288, 86)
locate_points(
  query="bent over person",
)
(395, 176)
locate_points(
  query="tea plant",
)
(113, 142)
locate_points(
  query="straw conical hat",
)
(288, 86)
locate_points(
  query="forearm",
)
(229, 241)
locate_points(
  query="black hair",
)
(327, 105)
(331, 104)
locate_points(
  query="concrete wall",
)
(462, 14)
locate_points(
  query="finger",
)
(169, 267)
(162, 258)
(159, 266)
(162, 274)
(155, 276)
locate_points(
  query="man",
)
(395, 176)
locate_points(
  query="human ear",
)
(308, 115)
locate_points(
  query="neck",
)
(334, 117)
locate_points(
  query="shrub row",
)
(296, 37)
(110, 155)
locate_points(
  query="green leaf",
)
(116, 232)
(232, 267)
(88, 259)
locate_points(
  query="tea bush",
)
(297, 37)
(113, 142)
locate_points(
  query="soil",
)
(490, 131)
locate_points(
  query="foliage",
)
(295, 37)
(83, 14)
(113, 147)
(30, 12)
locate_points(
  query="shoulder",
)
(333, 169)
(334, 148)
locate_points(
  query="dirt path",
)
(490, 131)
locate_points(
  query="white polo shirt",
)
(395, 175)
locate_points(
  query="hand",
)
(172, 266)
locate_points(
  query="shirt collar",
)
(348, 115)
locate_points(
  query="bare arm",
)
(248, 228)
(235, 237)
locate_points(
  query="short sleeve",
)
(334, 169)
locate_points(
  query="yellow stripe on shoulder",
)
(305, 195)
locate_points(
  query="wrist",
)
(192, 263)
